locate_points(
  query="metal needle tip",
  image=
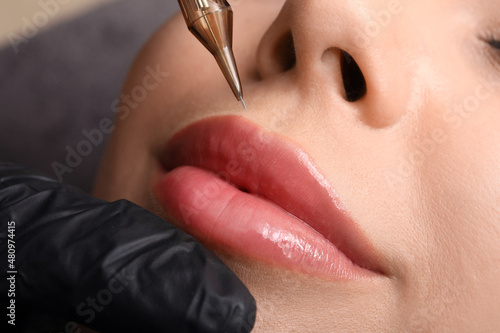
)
(243, 102)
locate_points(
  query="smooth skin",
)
(416, 159)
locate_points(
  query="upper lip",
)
(308, 197)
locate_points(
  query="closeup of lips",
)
(234, 186)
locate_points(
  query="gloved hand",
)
(113, 267)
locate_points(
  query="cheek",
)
(456, 153)
(459, 193)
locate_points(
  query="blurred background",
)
(13, 10)
(62, 65)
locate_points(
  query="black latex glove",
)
(114, 267)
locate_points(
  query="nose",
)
(343, 51)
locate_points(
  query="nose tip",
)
(370, 77)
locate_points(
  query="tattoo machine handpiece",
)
(211, 21)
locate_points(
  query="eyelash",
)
(495, 43)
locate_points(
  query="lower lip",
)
(222, 216)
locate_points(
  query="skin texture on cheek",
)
(456, 159)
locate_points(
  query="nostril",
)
(284, 52)
(354, 81)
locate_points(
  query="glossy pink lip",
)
(233, 185)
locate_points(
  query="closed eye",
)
(495, 43)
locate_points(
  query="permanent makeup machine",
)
(211, 21)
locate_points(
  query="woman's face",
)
(413, 160)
